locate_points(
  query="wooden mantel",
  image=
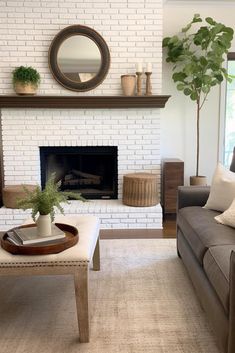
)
(90, 102)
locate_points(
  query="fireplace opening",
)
(91, 171)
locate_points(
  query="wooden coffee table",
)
(73, 261)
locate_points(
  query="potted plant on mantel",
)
(198, 66)
(44, 203)
(25, 80)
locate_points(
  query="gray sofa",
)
(207, 250)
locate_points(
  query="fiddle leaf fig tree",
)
(197, 55)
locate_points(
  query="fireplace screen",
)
(91, 171)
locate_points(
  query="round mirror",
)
(79, 58)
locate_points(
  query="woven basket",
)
(140, 189)
(25, 89)
(11, 194)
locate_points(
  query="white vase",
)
(44, 225)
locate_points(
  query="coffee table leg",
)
(81, 294)
(96, 256)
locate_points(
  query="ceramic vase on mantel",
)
(198, 180)
(128, 84)
(44, 225)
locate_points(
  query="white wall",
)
(179, 116)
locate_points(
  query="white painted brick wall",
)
(112, 213)
(134, 132)
(133, 32)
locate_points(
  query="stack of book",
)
(29, 236)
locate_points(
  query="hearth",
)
(89, 170)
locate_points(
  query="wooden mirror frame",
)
(104, 52)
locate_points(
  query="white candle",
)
(139, 67)
(149, 67)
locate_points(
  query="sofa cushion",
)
(227, 217)
(216, 263)
(202, 231)
(222, 190)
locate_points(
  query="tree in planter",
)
(198, 62)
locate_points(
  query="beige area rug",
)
(141, 302)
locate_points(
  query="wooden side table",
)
(172, 177)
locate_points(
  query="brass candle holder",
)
(139, 83)
(148, 84)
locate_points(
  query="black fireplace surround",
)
(91, 171)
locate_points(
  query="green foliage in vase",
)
(24, 75)
(44, 201)
(197, 59)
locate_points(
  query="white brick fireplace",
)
(133, 32)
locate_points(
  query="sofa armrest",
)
(231, 336)
(192, 196)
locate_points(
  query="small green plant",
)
(25, 75)
(197, 59)
(44, 201)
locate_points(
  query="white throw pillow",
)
(222, 190)
(228, 216)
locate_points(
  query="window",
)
(229, 128)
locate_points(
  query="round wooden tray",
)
(71, 238)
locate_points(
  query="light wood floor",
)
(168, 231)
